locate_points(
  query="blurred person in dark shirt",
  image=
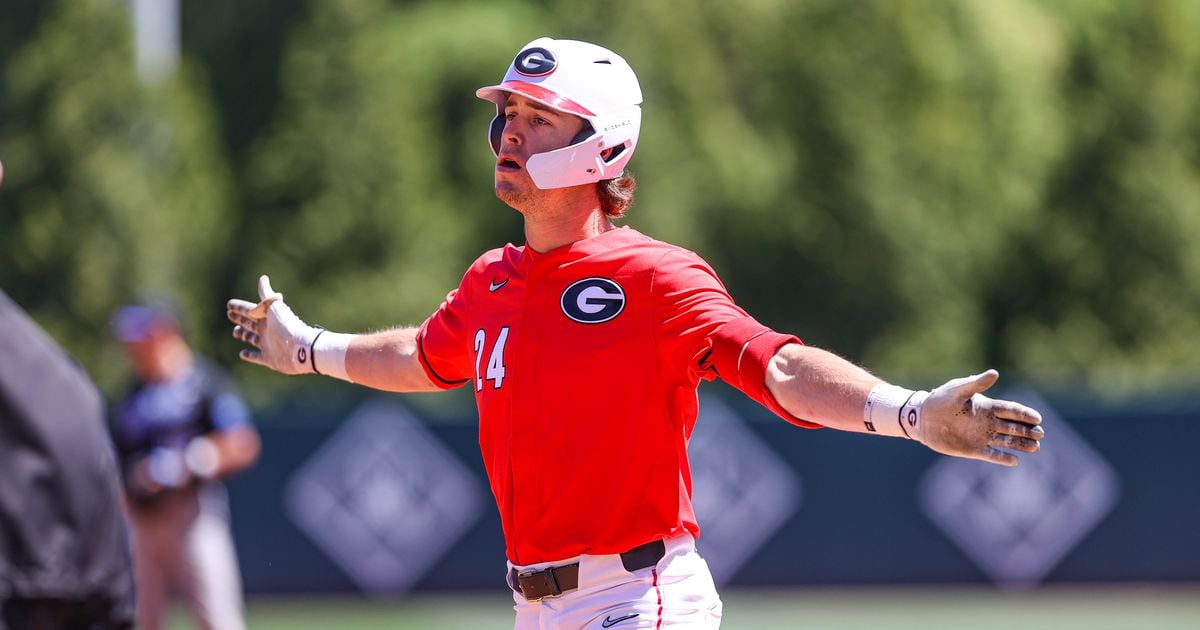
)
(64, 552)
(179, 430)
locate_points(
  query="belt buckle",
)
(552, 580)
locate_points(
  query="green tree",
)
(112, 189)
(1106, 281)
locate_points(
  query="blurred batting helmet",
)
(584, 80)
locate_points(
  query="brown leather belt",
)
(536, 585)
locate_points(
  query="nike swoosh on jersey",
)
(492, 286)
(610, 622)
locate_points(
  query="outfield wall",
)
(368, 494)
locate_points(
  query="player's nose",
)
(513, 133)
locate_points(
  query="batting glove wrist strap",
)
(299, 339)
(329, 354)
(895, 411)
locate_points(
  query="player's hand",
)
(957, 419)
(278, 339)
(159, 471)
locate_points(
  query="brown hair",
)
(616, 195)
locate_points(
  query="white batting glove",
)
(280, 340)
(957, 419)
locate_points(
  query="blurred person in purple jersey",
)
(179, 430)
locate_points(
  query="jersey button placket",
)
(523, 427)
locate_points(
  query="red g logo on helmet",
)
(535, 62)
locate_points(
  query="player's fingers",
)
(236, 304)
(260, 310)
(1015, 443)
(242, 311)
(967, 386)
(264, 287)
(1018, 429)
(979, 383)
(997, 456)
(1010, 410)
(242, 320)
(252, 356)
(241, 334)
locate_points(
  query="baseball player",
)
(179, 430)
(585, 347)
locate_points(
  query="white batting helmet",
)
(584, 80)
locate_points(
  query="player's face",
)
(529, 128)
(153, 356)
(145, 357)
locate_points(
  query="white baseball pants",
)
(183, 549)
(677, 593)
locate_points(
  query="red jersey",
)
(585, 362)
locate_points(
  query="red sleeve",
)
(701, 325)
(742, 349)
(442, 345)
(690, 305)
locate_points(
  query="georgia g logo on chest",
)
(593, 300)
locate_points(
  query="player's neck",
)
(545, 231)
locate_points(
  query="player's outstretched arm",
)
(281, 341)
(954, 419)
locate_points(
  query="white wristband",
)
(895, 411)
(329, 354)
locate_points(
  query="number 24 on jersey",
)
(495, 363)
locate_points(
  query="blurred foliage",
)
(927, 187)
(112, 188)
(1107, 280)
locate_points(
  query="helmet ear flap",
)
(495, 131)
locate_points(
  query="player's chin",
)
(511, 193)
(512, 178)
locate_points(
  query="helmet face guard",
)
(583, 80)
